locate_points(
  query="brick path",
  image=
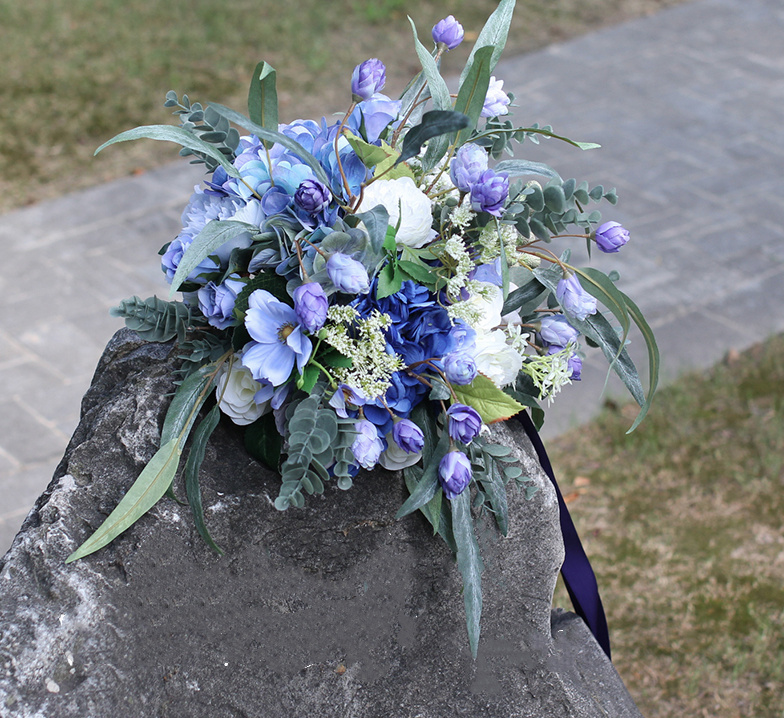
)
(687, 105)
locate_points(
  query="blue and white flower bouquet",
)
(377, 290)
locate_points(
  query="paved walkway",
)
(687, 105)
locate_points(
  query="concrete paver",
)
(687, 105)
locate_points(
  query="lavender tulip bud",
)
(464, 423)
(454, 473)
(574, 299)
(610, 237)
(556, 330)
(490, 192)
(312, 196)
(467, 166)
(448, 32)
(311, 304)
(367, 79)
(347, 274)
(367, 446)
(408, 436)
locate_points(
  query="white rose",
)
(495, 358)
(395, 458)
(415, 227)
(242, 398)
(491, 306)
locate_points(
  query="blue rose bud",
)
(216, 302)
(312, 196)
(448, 32)
(454, 473)
(496, 100)
(490, 192)
(464, 423)
(367, 79)
(610, 237)
(460, 368)
(311, 304)
(347, 274)
(408, 436)
(574, 299)
(467, 166)
(557, 331)
(367, 446)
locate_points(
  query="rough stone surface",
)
(333, 610)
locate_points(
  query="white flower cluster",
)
(550, 372)
(491, 237)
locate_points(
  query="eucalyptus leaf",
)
(426, 488)
(148, 488)
(518, 168)
(185, 404)
(469, 562)
(214, 235)
(376, 222)
(169, 133)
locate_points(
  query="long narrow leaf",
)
(493, 35)
(469, 562)
(214, 235)
(473, 91)
(148, 488)
(188, 398)
(263, 97)
(493, 485)
(517, 168)
(434, 123)
(536, 131)
(598, 284)
(169, 133)
(192, 467)
(277, 137)
(428, 484)
(520, 298)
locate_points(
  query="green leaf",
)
(492, 403)
(263, 98)
(214, 235)
(376, 223)
(473, 91)
(148, 488)
(272, 283)
(493, 35)
(434, 123)
(598, 284)
(371, 155)
(335, 358)
(418, 271)
(154, 320)
(192, 465)
(525, 299)
(277, 137)
(185, 405)
(535, 131)
(263, 441)
(389, 281)
(169, 133)
(309, 378)
(517, 168)
(469, 562)
(494, 487)
(426, 488)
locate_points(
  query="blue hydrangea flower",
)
(408, 436)
(556, 330)
(489, 192)
(367, 79)
(464, 423)
(454, 473)
(449, 32)
(278, 340)
(574, 299)
(368, 445)
(611, 236)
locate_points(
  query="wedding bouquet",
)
(377, 290)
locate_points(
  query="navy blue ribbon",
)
(577, 573)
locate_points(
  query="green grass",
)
(76, 72)
(683, 523)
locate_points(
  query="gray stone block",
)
(334, 609)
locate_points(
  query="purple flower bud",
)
(312, 196)
(367, 79)
(557, 331)
(460, 368)
(311, 304)
(347, 274)
(367, 447)
(611, 236)
(408, 436)
(454, 473)
(449, 32)
(576, 365)
(467, 166)
(464, 423)
(496, 100)
(574, 299)
(490, 192)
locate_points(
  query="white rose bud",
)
(238, 392)
(415, 227)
